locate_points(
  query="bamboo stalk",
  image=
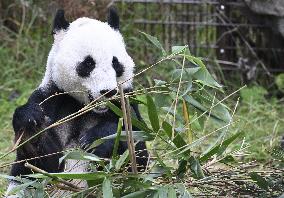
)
(130, 143)
(38, 170)
(128, 111)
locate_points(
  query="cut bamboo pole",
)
(125, 107)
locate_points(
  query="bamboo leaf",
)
(156, 42)
(137, 135)
(183, 192)
(118, 133)
(186, 121)
(220, 148)
(20, 187)
(141, 194)
(152, 113)
(195, 167)
(178, 140)
(121, 160)
(141, 125)
(227, 159)
(171, 192)
(217, 117)
(79, 155)
(162, 192)
(260, 181)
(107, 189)
(73, 175)
(179, 49)
(205, 77)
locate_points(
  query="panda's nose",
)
(108, 93)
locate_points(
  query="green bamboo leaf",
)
(205, 77)
(137, 135)
(162, 168)
(18, 179)
(79, 155)
(178, 140)
(162, 192)
(198, 61)
(123, 158)
(117, 138)
(223, 119)
(187, 121)
(73, 175)
(183, 192)
(141, 194)
(156, 42)
(134, 100)
(220, 148)
(179, 49)
(195, 167)
(141, 125)
(107, 189)
(152, 113)
(227, 159)
(20, 187)
(171, 192)
(202, 75)
(260, 181)
(182, 168)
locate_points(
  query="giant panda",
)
(87, 61)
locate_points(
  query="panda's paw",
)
(28, 118)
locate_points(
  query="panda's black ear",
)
(59, 22)
(113, 18)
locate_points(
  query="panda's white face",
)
(89, 57)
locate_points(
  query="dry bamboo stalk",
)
(126, 126)
(38, 170)
(128, 112)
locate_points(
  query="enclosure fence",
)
(225, 33)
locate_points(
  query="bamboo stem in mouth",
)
(125, 107)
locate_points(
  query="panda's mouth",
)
(98, 109)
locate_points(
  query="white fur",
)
(75, 166)
(85, 37)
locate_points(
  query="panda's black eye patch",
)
(117, 66)
(84, 68)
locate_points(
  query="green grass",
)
(22, 63)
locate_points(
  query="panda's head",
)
(88, 58)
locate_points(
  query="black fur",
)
(117, 66)
(108, 93)
(113, 18)
(30, 119)
(59, 22)
(49, 142)
(86, 67)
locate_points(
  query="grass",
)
(22, 61)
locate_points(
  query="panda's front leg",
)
(101, 130)
(30, 117)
